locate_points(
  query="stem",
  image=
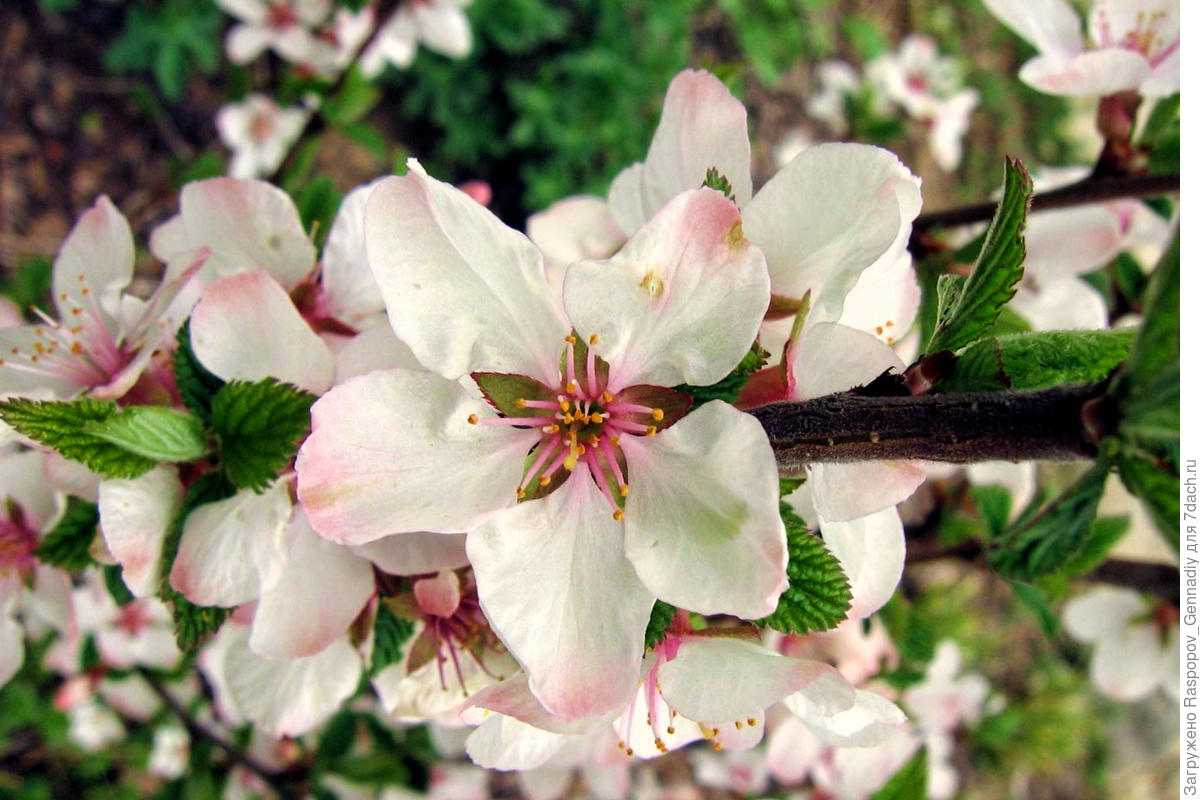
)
(277, 781)
(1088, 190)
(960, 428)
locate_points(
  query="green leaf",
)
(909, 783)
(660, 619)
(63, 427)
(336, 738)
(1156, 484)
(156, 432)
(949, 293)
(1043, 543)
(259, 426)
(1106, 532)
(196, 385)
(727, 388)
(713, 179)
(1038, 360)
(818, 593)
(115, 584)
(354, 101)
(995, 506)
(68, 544)
(391, 632)
(998, 269)
(1039, 605)
(317, 203)
(29, 283)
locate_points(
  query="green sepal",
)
(502, 391)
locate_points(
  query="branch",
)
(1089, 190)
(959, 428)
(277, 781)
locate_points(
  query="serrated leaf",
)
(713, 179)
(115, 585)
(1043, 543)
(818, 593)
(949, 293)
(909, 783)
(259, 426)
(1105, 532)
(63, 427)
(1156, 484)
(156, 432)
(997, 270)
(1038, 360)
(391, 633)
(196, 385)
(660, 619)
(68, 544)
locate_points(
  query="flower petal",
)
(860, 359)
(505, 743)
(702, 524)
(135, 516)
(870, 721)
(386, 448)
(416, 553)
(1051, 26)
(842, 492)
(571, 230)
(871, 550)
(232, 550)
(322, 589)
(97, 254)
(1097, 72)
(350, 291)
(464, 291)
(554, 583)
(1129, 664)
(1101, 612)
(682, 300)
(245, 327)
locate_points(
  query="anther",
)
(593, 339)
(596, 418)
(623, 489)
(618, 515)
(572, 388)
(670, 730)
(473, 419)
(520, 402)
(657, 414)
(544, 480)
(717, 746)
(751, 722)
(651, 431)
(607, 397)
(570, 338)
(564, 405)
(520, 494)
(738, 724)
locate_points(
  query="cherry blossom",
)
(259, 133)
(440, 25)
(285, 26)
(1131, 45)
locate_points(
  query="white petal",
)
(1051, 26)
(514, 698)
(860, 358)
(135, 516)
(1101, 612)
(416, 553)
(574, 229)
(871, 550)
(245, 327)
(248, 225)
(718, 679)
(505, 743)
(97, 254)
(848, 491)
(1098, 72)
(387, 448)
(443, 28)
(350, 289)
(1061, 304)
(244, 43)
(1071, 241)
(555, 584)
(464, 291)
(1129, 665)
(871, 721)
(884, 302)
(626, 200)
(827, 216)
(702, 526)
(290, 697)
(23, 483)
(232, 550)
(682, 300)
(375, 348)
(323, 588)
(12, 646)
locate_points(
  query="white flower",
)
(1137, 646)
(285, 26)
(169, 757)
(440, 25)
(259, 133)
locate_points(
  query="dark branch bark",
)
(1044, 425)
(1089, 190)
(278, 782)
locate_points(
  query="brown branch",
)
(279, 782)
(1044, 425)
(1089, 190)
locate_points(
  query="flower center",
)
(583, 421)
(17, 543)
(281, 16)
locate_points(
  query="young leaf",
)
(818, 593)
(1156, 484)
(115, 584)
(1038, 360)
(63, 426)
(909, 783)
(996, 272)
(391, 634)
(68, 544)
(713, 179)
(660, 619)
(155, 432)
(259, 426)
(197, 385)
(1106, 532)
(1043, 543)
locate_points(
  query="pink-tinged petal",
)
(505, 743)
(245, 327)
(1098, 72)
(387, 448)
(463, 290)
(792, 750)
(248, 225)
(1113, 23)
(135, 516)
(293, 696)
(555, 584)
(718, 679)
(375, 348)
(702, 126)
(860, 359)
(871, 721)
(69, 477)
(416, 553)
(626, 198)
(232, 550)
(350, 291)
(634, 731)
(22, 483)
(97, 255)
(170, 239)
(829, 214)
(842, 492)
(871, 550)
(10, 314)
(513, 698)
(548, 782)
(322, 589)
(12, 645)
(571, 230)
(682, 300)
(1061, 304)
(1164, 78)
(430, 691)
(1129, 664)
(884, 302)
(702, 524)
(443, 28)
(1052, 26)
(1101, 612)
(211, 662)
(1071, 241)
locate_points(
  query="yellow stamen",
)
(751, 722)
(520, 494)
(570, 338)
(572, 387)
(520, 402)
(596, 418)
(657, 414)
(473, 419)
(593, 339)
(623, 489)
(618, 515)
(563, 405)
(651, 431)
(607, 397)
(544, 480)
